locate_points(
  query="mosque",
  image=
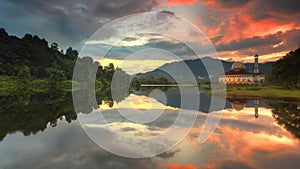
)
(238, 74)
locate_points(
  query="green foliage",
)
(71, 54)
(18, 55)
(30, 58)
(135, 83)
(286, 71)
(154, 80)
(56, 75)
(24, 72)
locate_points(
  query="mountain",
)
(198, 69)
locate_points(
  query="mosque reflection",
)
(240, 104)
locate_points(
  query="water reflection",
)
(241, 140)
(287, 115)
(239, 104)
(31, 113)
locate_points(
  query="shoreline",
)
(264, 92)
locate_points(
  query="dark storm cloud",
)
(250, 43)
(232, 3)
(233, 164)
(128, 129)
(69, 22)
(279, 6)
(169, 154)
(281, 10)
(168, 12)
(128, 39)
(118, 8)
(216, 39)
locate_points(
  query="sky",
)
(238, 29)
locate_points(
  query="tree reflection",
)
(30, 113)
(287, 115)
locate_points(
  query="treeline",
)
(286, 71)
(136, 82)
(31, 57)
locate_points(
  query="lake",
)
(42, 130)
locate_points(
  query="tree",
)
(286, 71)
(24, 72)
(56, 75)
(71, 54)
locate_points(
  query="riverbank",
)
(11, 84)
(268, 92)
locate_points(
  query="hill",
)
(198, 69)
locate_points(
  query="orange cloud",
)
(239, 20)
(244, 143)
(242, 26)
(177, 2)
(177, 166)
(208, 2)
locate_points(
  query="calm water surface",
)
(42, 131)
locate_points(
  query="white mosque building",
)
(238, 74)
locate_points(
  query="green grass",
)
(13, 85)
(270, 92)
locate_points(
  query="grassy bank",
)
(270, 92)
(11, 84)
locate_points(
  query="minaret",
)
(256, 70)
(256, 104)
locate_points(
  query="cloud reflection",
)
(240, 142)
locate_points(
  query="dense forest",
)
(286, 71)
(29, 59)
(31, 56)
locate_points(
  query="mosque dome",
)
(238, 66)
(238, 106)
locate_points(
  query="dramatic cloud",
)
(177, 166)
(233, 164)
(234, 26)
(232, 3)
(169, 154)
(177, 2)
(250, 43)
(288, 7)
(152, 43)
(68, 22)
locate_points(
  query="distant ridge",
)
(198, 69)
